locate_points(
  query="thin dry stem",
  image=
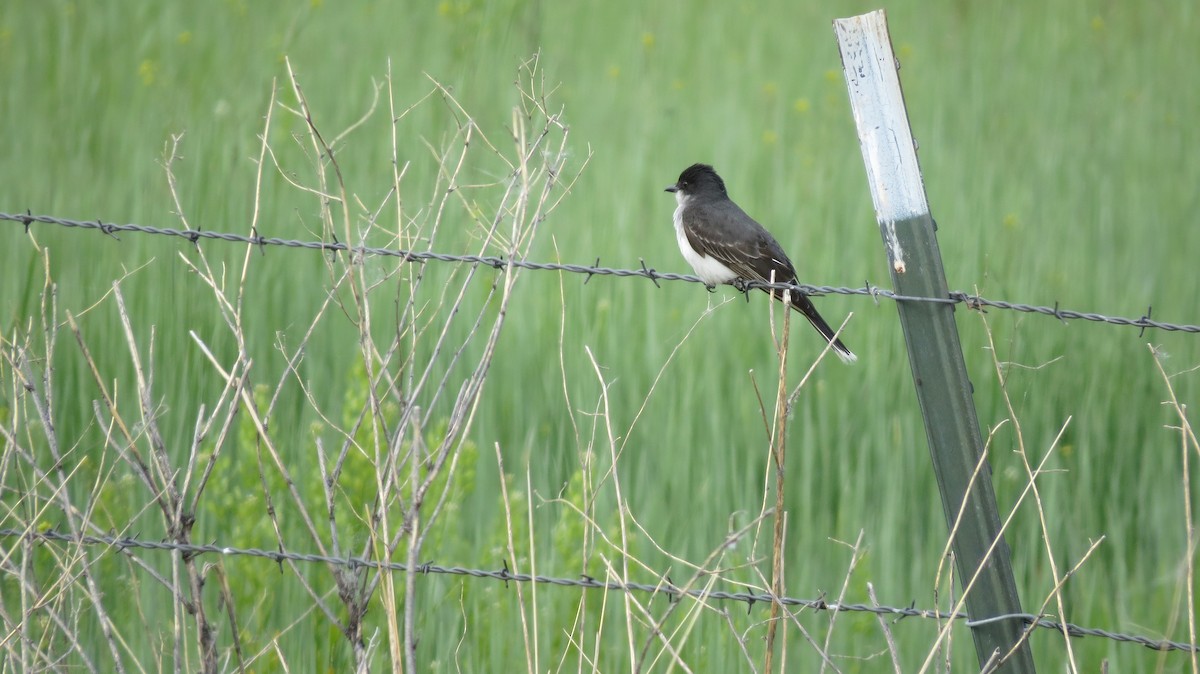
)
(1037, 496)
(884, 627)
(944, 632)
(530, 651)
(856, 555)
(1188, 444)
(778, 455)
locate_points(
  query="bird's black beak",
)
(673, 188)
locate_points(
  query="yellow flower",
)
(454, 10)
(148, 71)
(647, 40)
(769, 137)
(802, 105)
(185, 37)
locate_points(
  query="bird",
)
(725, 245)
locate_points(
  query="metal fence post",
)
(935, 354)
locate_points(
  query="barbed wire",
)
(498, 262)
(124, 544)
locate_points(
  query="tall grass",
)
(1055, 143)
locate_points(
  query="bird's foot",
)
(743, 286)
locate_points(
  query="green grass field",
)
(1056, 143)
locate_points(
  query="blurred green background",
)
(1057, 145)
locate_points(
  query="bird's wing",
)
(737, 241)
(748, 250)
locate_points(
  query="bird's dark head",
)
(698, 180)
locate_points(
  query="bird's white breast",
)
(710, 270)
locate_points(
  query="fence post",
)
(939, 373)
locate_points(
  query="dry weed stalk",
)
(46, 491)
(1188, 444)
(1032, 474)
(778, 434)
(649, 639)
(425, 346)
(459, 330)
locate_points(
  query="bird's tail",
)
(805, 306)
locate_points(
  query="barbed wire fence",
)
(126, 544)
(496, 262)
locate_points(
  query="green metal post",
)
(940, 375)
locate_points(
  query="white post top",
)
(883, 132)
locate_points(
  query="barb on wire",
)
(869, 290)
(126, 544)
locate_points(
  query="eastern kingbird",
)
(723, 244)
